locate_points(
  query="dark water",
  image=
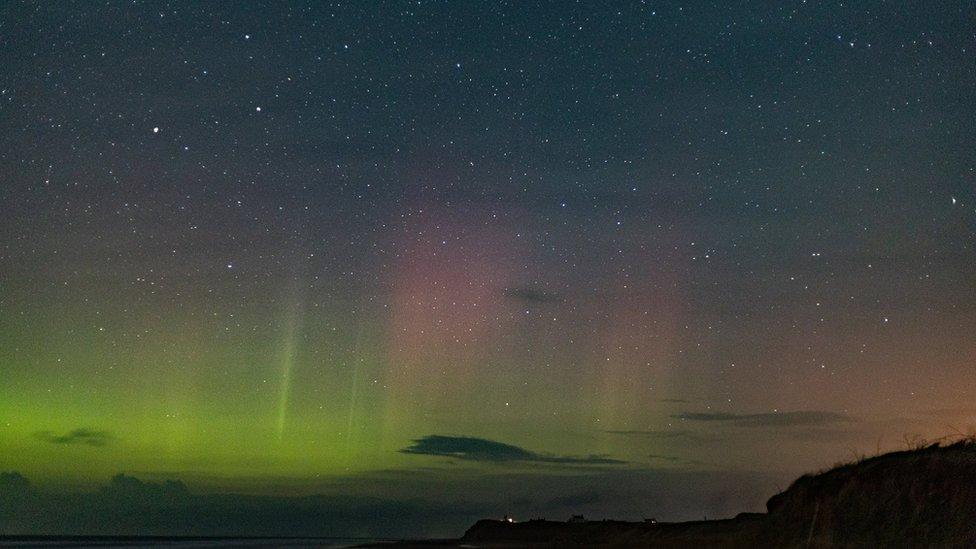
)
(133, 542)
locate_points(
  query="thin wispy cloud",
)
(480, 449)
(83, 436)
(769, 419)
(656, 434)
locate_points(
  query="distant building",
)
(577, 518)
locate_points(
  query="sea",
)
(186, 543)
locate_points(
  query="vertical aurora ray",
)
(359, 356)
(292, 333)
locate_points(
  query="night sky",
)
(545, 257)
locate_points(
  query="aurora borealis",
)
(548, 257)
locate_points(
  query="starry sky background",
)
(628, 258)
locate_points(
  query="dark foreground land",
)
(919, 498)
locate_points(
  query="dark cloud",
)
(13, 482)
(674, 459)
(662, 434)
(480, 449)
(84, 435)
(771, 419)
(532, 295)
